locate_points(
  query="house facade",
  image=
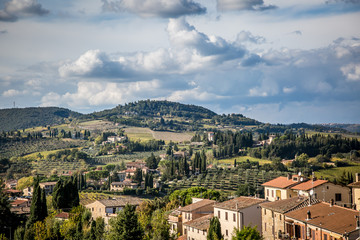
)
(238, 213)
(197, 229)
(355, 190)
(325, 191)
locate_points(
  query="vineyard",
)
(21, 148)
(62, 167)
(228, 179)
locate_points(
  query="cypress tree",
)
(44, 212)
(214, 232)
(37, 208)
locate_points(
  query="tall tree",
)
(5, 214)
(37, 211)
(214, 232)
(125, 225)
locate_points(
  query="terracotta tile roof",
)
(333, 218)
(17, 202)
(239, 203)
(12, 191)
(197, 205)
(47, 183)
(354, 184)
(305, 186)
(202, 223)
(287, 205)
(63, 215)
(182, 237)
(280, 182)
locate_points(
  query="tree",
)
(38, 210)
(125, 225)
(247, 233)
(138, 176)
(160, 226)
(5, 214)
(214, 232)
(100, 228)
(65, 194)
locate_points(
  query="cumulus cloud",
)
(103, 93)
(190, 51)
(238, 5)
(155, 8)
(246, 36)
(13, 93)
(194, 94)
(15, 9)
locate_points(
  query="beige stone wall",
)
(200, 212)
(195, 234)
(272, 223)
(96, 209)
(356, 197)
(272, 194)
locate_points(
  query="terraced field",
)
(145, 134)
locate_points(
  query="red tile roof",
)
(305, 186)
(280, 182)
(17, 202)
(354, 184)
(239, 203)
(286, 205)
(333, 218)
(64, 215)
(182, 237)
(197, 205)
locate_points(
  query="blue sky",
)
(276, 61)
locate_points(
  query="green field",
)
(137, 133)
(332, 173)
(243, 159)
(145, 134)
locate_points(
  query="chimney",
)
(308, 215)
(289, 176)
(331, 202)
(357, 177)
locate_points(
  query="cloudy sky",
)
(277, 61)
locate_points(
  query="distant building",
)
(120, 186)
(355, 190)
(48, 187)
(175, 221)
(108, 208)
(210, 136)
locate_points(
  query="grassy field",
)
(332, 173)
(243, 159)
(145, 134)
(43, 153)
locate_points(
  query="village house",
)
(355, 190)
(11, 184)
(120, 186)
(48, 187)
(175, 221)
(197, 209)
(180, 154)
(114, 139)
(273, 218)
(107, 208)
(280, 187)
(322, 221)
(197, 229)
(325, 191)
(238, 213)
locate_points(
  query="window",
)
(338, 197)
(325, 236)
(280, 216)
(92, 209)
(272, 193)
(226, 215)
(227, 232)
(192, 229)
(234, 217)
(267, 192)
(265, 227)
(264, 211)
(219, 214)
(198, 230)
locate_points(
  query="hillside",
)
(150, 108)
(21, 118)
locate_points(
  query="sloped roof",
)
(120, 202)
(64, 215)
(333, 218)
(286, 205)
(281, 182)
(202, 223)
(18, 202)
(239, 203)
(197, 205)
(305, 186)
(354, 184)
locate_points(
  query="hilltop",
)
(21, 118)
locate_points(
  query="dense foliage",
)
(20, 118)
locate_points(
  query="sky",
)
(277, 61)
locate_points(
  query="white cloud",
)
(15, 9)
(155, 8)
(351, 72)
(194, 94)
(11, 93)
